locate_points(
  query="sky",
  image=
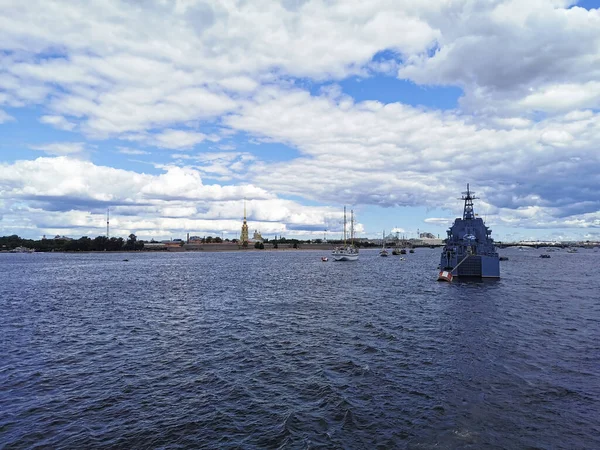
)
(169, 113)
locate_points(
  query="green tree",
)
(99, 243)
(84, 243)
(131, 242)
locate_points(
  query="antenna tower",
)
(468, 197)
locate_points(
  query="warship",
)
(469, 250)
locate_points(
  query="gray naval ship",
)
(469, 249)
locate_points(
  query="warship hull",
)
(478, 266)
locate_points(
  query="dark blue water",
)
(278, 349)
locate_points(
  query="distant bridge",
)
(586, 244)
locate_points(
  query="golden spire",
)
(244, 233)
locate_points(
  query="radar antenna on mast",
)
(468, 196)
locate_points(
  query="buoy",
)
(324, 258)
(444, 275)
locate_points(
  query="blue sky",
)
(301, 109)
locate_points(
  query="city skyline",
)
(171, 113)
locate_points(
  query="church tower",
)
(244, 234)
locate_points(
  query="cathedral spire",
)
(244, 233)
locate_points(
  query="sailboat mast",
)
(344, 226)
(352, 227)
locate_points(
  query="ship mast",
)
(344, 226)
(352, 227)
(468, 197)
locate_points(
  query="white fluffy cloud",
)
(167, 63)
(513, 55)
(71, 194)
(400, 155)
(177, 139)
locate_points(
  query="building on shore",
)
(244, 236)
(257, 237)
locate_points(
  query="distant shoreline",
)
(209, 248)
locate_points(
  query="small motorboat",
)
(544, 256)
(324, 258)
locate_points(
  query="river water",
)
(280, 350)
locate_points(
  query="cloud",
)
(131, 151)
(61, 148)
(70, 194)
(397, 155)
(499, 52)
(439, 221)
(5, 117)
(199, 58)
(177, 139)
(58, 122)
(564, 97)
(222, 166)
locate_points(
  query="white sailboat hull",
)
(345, 254)
(345, 257)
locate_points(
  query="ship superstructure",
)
(470, 250)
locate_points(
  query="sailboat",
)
(383, 251)
(396, 250)
(347, 252)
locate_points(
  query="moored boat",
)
(383, 251)
(346, 252)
